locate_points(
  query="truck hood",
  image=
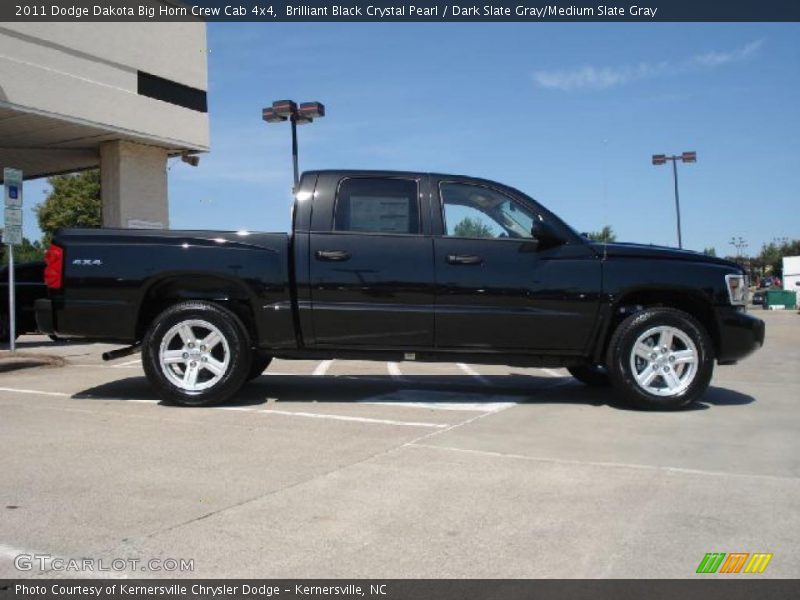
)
(623, 250)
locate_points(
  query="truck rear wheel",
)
(661, 359)
(196, 354)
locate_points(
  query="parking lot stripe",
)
(441, 400)
(592, 463)
(354, 419)
(470, 371)
(394, 370)
(553, 373)
(137, 361)
(10, 553)
(323, 367)
(39, 392)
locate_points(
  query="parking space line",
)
(592, 463)
(442, 400)
(394, 370)
(472, 372)
(553, 373)
(354, 419)
(39, 392)
(322, 367)
(10, 553)
(136, 361)
(103, 366)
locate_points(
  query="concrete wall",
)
(133, 183)
(87, 73)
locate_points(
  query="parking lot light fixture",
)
(288, 110)
(661, 159)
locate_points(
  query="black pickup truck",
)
(402, 266)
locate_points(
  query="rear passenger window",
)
(377, 205)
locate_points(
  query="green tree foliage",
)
(27, 251)
(73, 201)
(472, 228)
(770, 259)
(710, 251)
(606, 234)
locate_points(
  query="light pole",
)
(282, 110)
(687, 157)
(739, 243)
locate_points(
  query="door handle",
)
(332, 255)
(464, 259)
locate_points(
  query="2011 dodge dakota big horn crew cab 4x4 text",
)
(402, 266)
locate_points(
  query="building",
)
(121, 96)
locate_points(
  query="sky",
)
(568, 113)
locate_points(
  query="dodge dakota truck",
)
(402, 266)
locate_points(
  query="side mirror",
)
(545, 234)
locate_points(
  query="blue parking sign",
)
(13, 192)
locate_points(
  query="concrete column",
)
(133, 184)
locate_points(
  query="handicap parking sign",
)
(13, 192)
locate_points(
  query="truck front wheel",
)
(196, 354)
(660, 358)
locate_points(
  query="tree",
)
(473, 228)
(771, 256)
(27, 251)
(710, 251)
(606, 234)
(73, 201)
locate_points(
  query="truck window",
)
(478, 212)
(377, 205)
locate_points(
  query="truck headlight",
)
(737, 289)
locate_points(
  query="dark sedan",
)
(29, 284)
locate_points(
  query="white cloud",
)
(715, 59)
(596, 78)
(600, 78)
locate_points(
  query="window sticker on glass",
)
(370, 213)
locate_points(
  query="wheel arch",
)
(634, 301)
(166, 291)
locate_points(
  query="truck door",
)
(501, 288)
(371, 263)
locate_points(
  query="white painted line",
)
(322, 367)
(235, 408)
(37, 392)
(10, 553)
(553, 373)
(394, 370)
(591, 463)
(441, 400)
(102, 366)
(354, 419)
(143, 401)
(136, 361)
(472, 372)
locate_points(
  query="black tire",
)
(229, 356)
(691, 380)
(259, 363)
(591, 375)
